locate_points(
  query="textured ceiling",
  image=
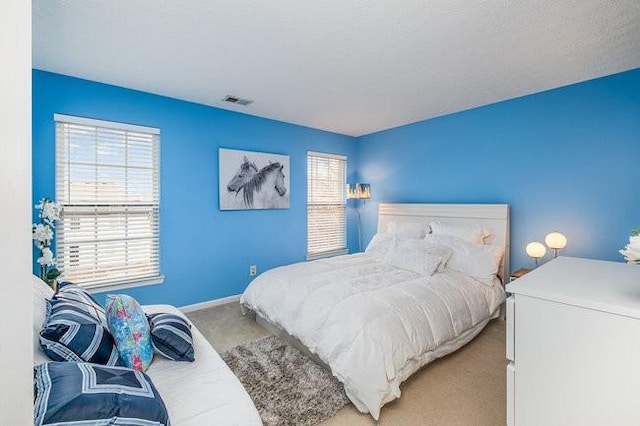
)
(352, 67)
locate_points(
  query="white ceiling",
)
(348, 66)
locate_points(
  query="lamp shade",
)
(536, 250)
(360, 191)
(363, 190)
(352, 191)
(555, 240)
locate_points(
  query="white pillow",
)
(480, 261)
(408, 229)
(380, 244)
(472, 233)
(441, 251)
(412, 260)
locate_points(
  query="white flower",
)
(47, 257)
(631, 252)
(49, 211)
(42, 233)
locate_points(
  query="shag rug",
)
(286, 386)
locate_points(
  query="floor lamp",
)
(359, 191)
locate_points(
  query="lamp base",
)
(359, 231)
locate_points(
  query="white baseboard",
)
(210, 303)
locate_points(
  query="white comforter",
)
(372, 323)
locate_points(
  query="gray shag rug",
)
(286, 386)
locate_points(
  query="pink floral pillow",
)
(129, 327)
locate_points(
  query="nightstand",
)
(519, 273)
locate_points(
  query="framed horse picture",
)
(252, 180)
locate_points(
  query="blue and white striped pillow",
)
(171, 336)
(69, 393)
(70, 333)
(73, 293)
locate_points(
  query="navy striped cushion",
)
(171, 336)
(70, 333)
(71, 292)
(69, 393)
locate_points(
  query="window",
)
(326, 205)
(107, 182)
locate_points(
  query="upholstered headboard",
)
(495, 217)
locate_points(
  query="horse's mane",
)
(255, 184)
(248, 164)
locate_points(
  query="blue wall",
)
(205, 253)
(566, 159)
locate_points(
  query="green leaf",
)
(635, 231)
(52, 274)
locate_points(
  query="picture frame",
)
(251, 180)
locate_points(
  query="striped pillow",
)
(171, 336)
(70, 333)
(73, 293)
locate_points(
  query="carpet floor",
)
(287, 387)
(466, 388)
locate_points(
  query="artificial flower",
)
(47, 257)
(49, 211)
(42, 233)
(631, 252)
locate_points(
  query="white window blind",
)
(108, 184)
(326, 205)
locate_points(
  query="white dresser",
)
(573, 345)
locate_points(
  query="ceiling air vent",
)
(237, 100)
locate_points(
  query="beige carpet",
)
(466, 388)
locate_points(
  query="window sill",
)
(100, 288)
(327, 254)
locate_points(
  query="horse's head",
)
(280, 181)
(244, 174)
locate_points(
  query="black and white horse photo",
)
(250, 186)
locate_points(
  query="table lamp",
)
(536, 250)
(555, 241)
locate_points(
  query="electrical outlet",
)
(253, 270)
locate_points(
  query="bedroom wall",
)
(566, 159)
(16, 331)
(205, 253)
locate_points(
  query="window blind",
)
(108, 184)
(326, 205)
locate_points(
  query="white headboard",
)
(494, 216)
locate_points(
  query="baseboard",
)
(210, 303)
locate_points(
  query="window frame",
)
(336, 251)
(127, 209)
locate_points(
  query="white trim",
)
(327, 155)
(327, 254)
(210, 303)
(129, 284)
(102, 123)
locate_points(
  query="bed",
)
(374, 321)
